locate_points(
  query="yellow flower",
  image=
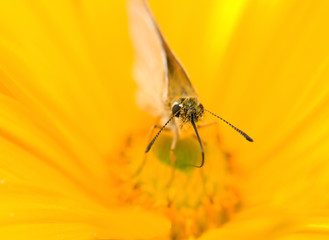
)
(72, 137)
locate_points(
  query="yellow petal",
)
(267, 222)
(58, 125)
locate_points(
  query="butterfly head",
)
(187, 109)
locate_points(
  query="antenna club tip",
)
(249, 139)
(147, 149)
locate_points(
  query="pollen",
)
(195, 200)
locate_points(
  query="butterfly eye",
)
(175, 109)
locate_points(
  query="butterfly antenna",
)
(156, 136)
(202, 152)
(235, 128)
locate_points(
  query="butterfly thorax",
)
(188, 109)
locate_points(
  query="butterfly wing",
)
(150, 59)
(179, 84)
(160, 76)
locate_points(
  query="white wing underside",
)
(150, 67)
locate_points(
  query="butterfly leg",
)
(173, 157)
(218, 138)
(151, 132)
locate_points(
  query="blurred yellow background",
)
(67, 104)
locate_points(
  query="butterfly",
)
(164, 88)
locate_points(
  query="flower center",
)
(194, 199)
